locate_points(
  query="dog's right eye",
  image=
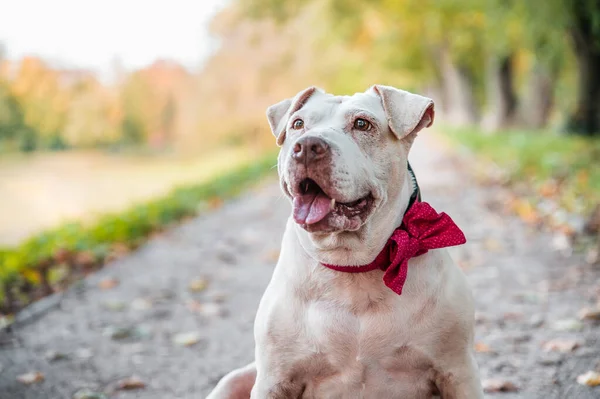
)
(298, 124)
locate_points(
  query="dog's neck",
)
(360, 247)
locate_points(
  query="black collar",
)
(416, 194)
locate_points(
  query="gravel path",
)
(526, 292)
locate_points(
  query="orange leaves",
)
(525, 210)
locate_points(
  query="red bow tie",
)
(422, 229)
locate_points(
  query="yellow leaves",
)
(525, 210)
(31, 275)
(591, 379)
(198, 284)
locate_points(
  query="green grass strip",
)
(536, 157)
(129, 228)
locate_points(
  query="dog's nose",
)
(310, 149)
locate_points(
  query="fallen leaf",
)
(31, 378)
(498, 385)
(492, 245)
(141, 304)
(211, 309)
(187, 339)
(591, 379)
(548, 189)
(117, 333)
(561, 345)
(131, 383)
(108, 283)
(87, 394)
(198, 284)
(215, 203)
(567, 325)
(482, 348)
(525, 211)
(589, 314)
(115, 306)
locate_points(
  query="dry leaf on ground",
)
(31, 378)
(498, 385)
(492, 245)
(591, 379)
(87, 394)
(589, 314)
(198, 284)
(561, 345)
(480, 347)
(131, 383)
(187, 339)
(141, 304)
(567, 325)
(108, 283)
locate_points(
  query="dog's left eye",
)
(362, 124)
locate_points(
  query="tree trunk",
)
(586, 117)
(539, 97)
(501, 97)
(460, 104)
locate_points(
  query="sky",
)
(92, 34)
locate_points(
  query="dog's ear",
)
(278, 114)
(407, 113)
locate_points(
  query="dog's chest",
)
(364, 352)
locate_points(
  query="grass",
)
(547, 164)
(51, 260)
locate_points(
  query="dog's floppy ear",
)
(278, 114)
(407, 113)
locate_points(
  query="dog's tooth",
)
(332, 206)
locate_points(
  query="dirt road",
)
(527, 294)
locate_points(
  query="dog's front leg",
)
(461, 380)
(235, 385)
(274, 388)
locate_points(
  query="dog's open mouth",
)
(312, 205)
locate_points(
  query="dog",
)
(364, 301)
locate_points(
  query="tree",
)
(584, 30)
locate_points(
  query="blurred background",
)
(107, 107)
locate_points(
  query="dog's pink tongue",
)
(311, 208)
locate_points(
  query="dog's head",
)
(343, 159)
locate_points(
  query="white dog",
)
(362, 303)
